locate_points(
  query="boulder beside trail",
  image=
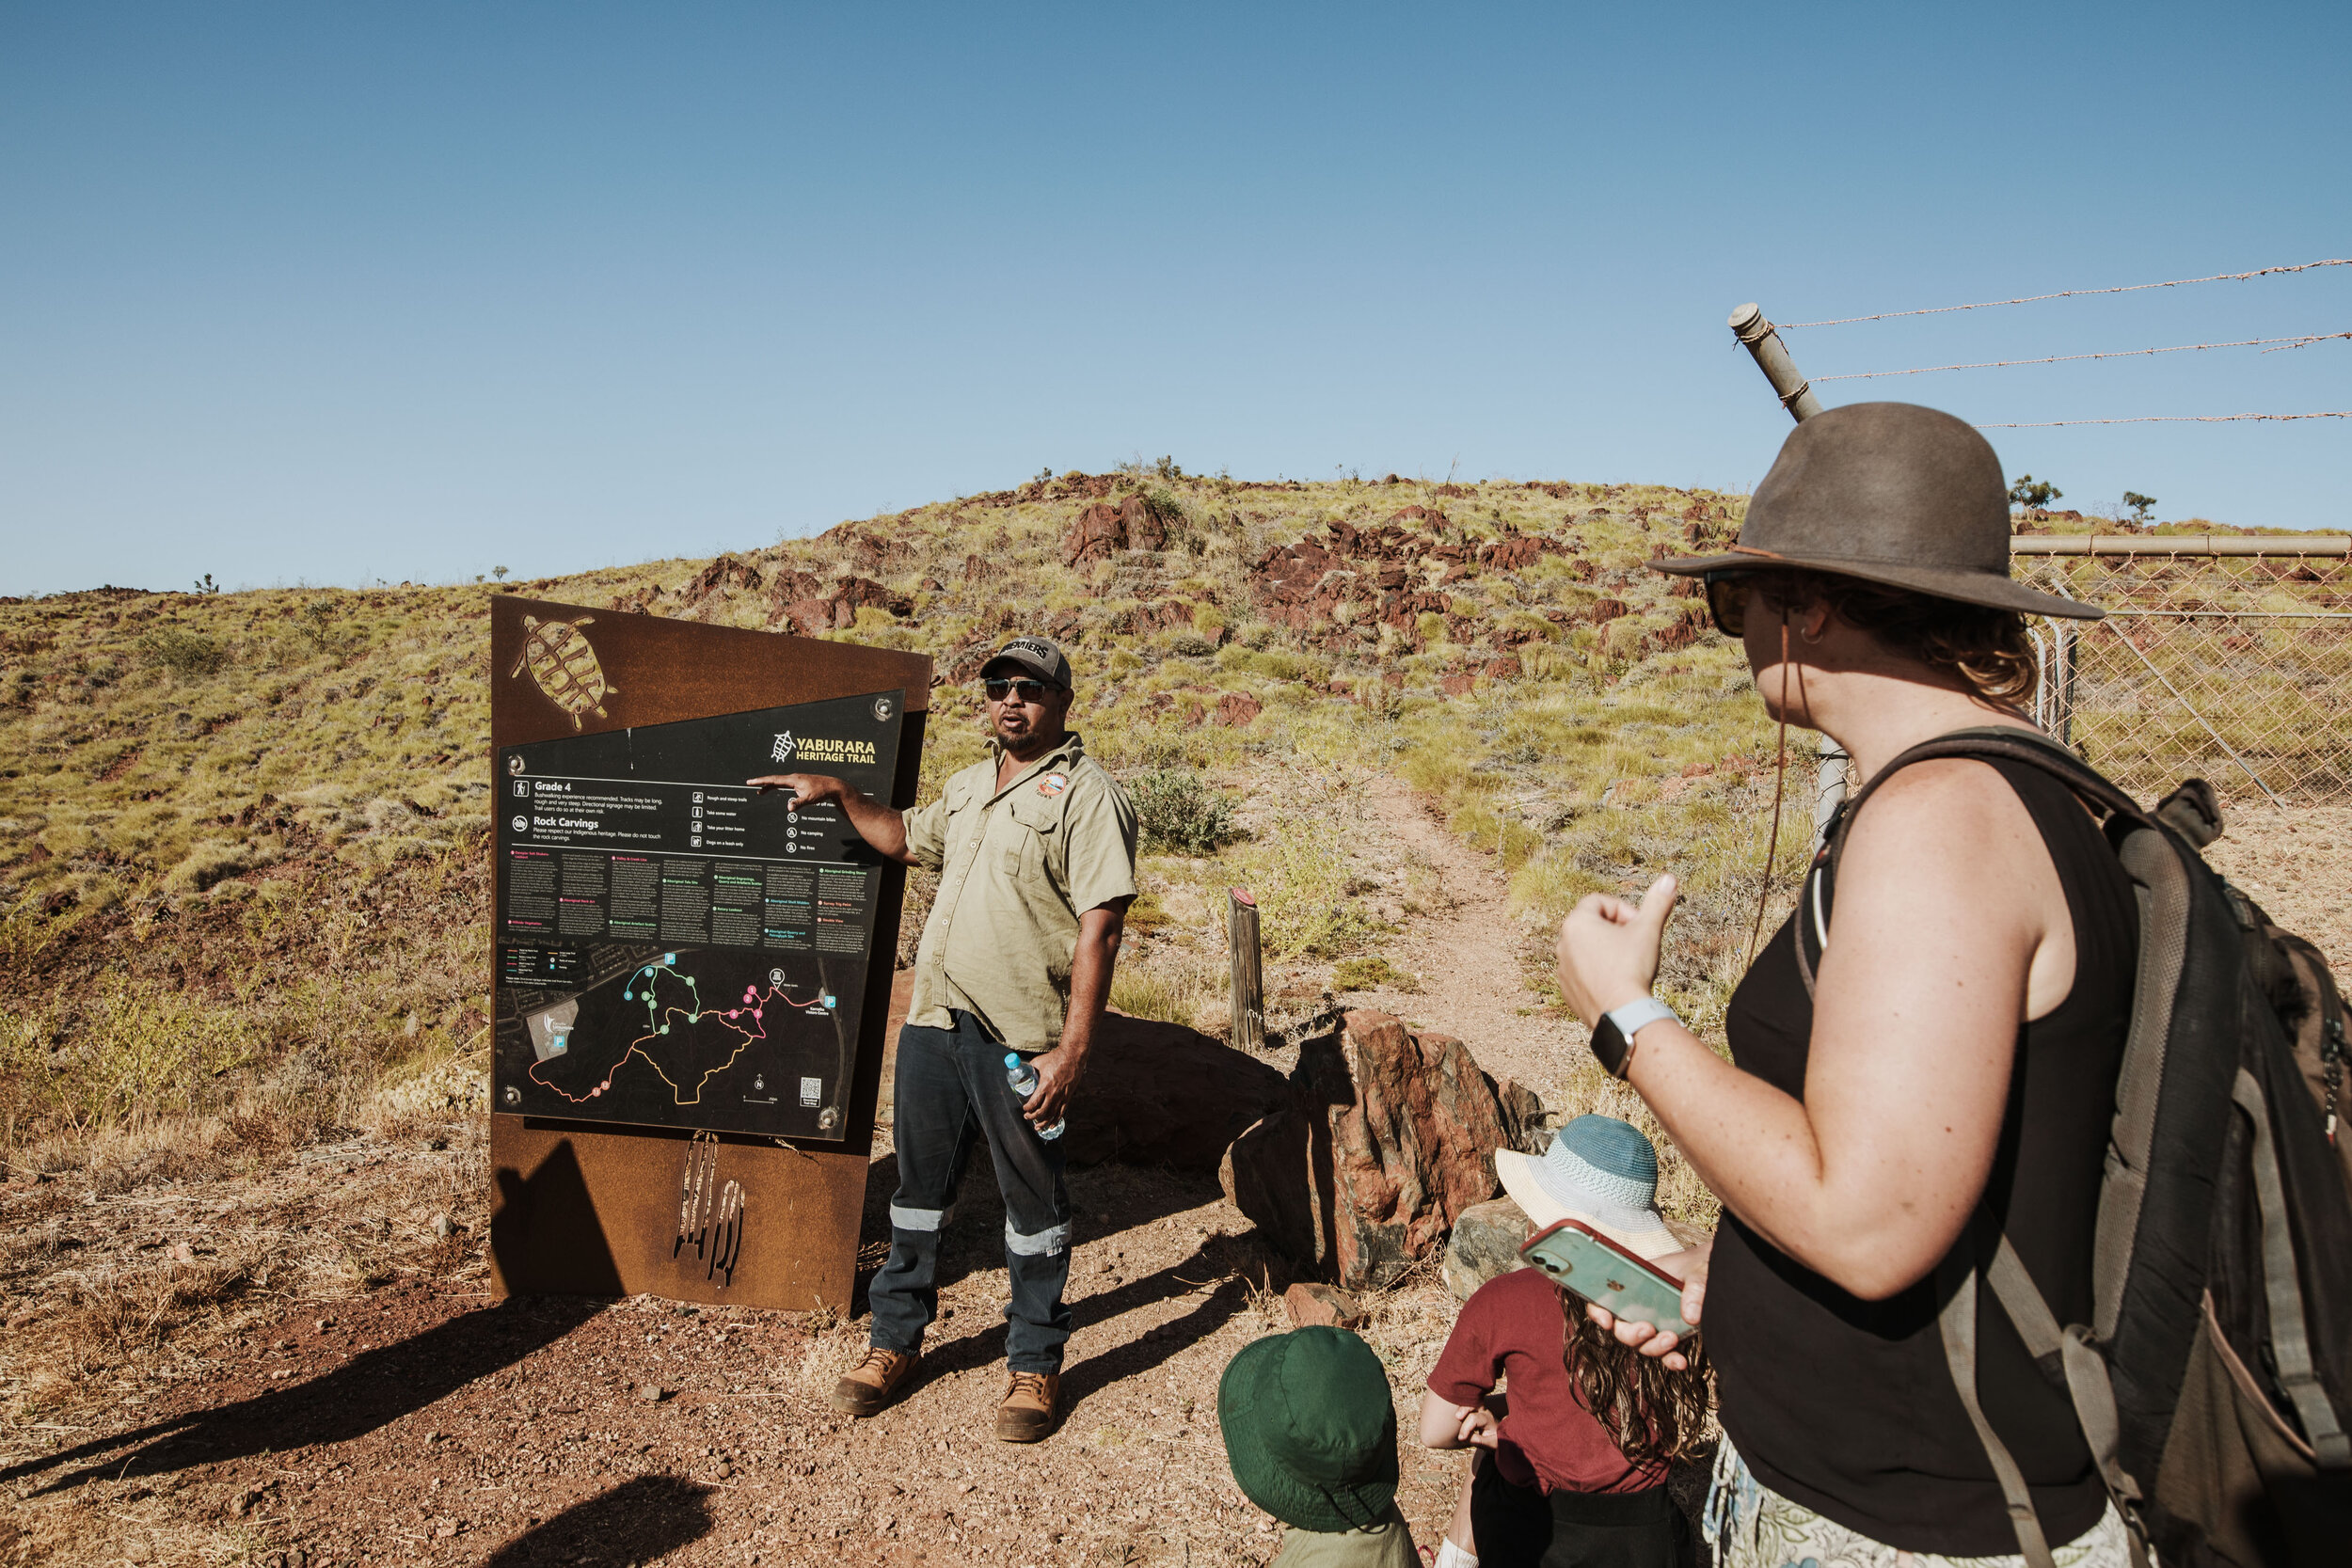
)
(1486, 1243)
(1160, 1094)
(1384, 1137)
(1525, 1122)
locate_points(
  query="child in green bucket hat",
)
(1311, 1432)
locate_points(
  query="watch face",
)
(1609, 1045)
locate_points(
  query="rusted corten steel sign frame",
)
(583, 1208)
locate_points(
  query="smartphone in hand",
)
(1587, 1263)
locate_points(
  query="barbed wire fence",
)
(2227, 659)
(1761, 338)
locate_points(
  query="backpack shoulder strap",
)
(1994, 740)
(1988, 741)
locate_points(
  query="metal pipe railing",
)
(2179, 544)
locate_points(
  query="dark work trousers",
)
(950, 1091)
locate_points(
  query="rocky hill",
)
(241, 834)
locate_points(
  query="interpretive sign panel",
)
(691, 979)
(676, 949)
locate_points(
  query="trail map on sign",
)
(676, 949)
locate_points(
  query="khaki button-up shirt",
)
(1017, 867)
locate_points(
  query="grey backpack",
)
(2212, 1381)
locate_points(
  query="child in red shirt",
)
(1577, 1460)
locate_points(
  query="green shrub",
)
(1178, 814)
(184, 652)
(1162, 503)
(1373, 974)
(1306, 904)
(318, 628)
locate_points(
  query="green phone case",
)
(1590, 1264)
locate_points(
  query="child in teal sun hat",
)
(1572, 1467)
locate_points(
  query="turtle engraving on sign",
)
(563, 666)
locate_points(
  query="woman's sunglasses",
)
(1727, 600)
(1026, 691)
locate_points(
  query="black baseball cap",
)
(1034, 656)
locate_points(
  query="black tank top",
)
(1846, 1405)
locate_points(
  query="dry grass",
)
(132, 1256)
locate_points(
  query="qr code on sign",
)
(812, 1091)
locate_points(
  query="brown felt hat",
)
(1891, 493)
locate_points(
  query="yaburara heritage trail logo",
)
(822, 748)
(563, 666)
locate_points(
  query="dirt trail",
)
(1466, 951)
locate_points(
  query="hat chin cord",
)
(1780, 780)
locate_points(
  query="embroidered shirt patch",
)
(1053, 784)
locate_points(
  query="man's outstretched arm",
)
(883, 828)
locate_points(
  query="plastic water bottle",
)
(1022, 1077)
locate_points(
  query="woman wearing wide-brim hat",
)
(1947, 1072)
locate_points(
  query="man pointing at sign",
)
(1034, 846)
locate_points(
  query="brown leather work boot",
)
(872, 1380)
(1027, 1412)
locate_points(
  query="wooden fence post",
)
(1241, 933)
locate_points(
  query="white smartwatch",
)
(1612, 1038)
(1636, 1016)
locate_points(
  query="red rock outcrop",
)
(728, 571)
(1103, 530)
(1384, 1137)
(1096, 534)
(1666, 638)
(1236, 709)
(1145, 528)
(789, 585)
(1166, 616)
(809, 616)
(860, 593)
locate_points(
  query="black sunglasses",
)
(1727, 600)
(1027, 692)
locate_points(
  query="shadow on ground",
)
(1220, 1300)
(1106, 1200)
(373, 1389)
(638, 1521)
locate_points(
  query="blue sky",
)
(293, 292)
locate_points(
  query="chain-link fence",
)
(2226, 658)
